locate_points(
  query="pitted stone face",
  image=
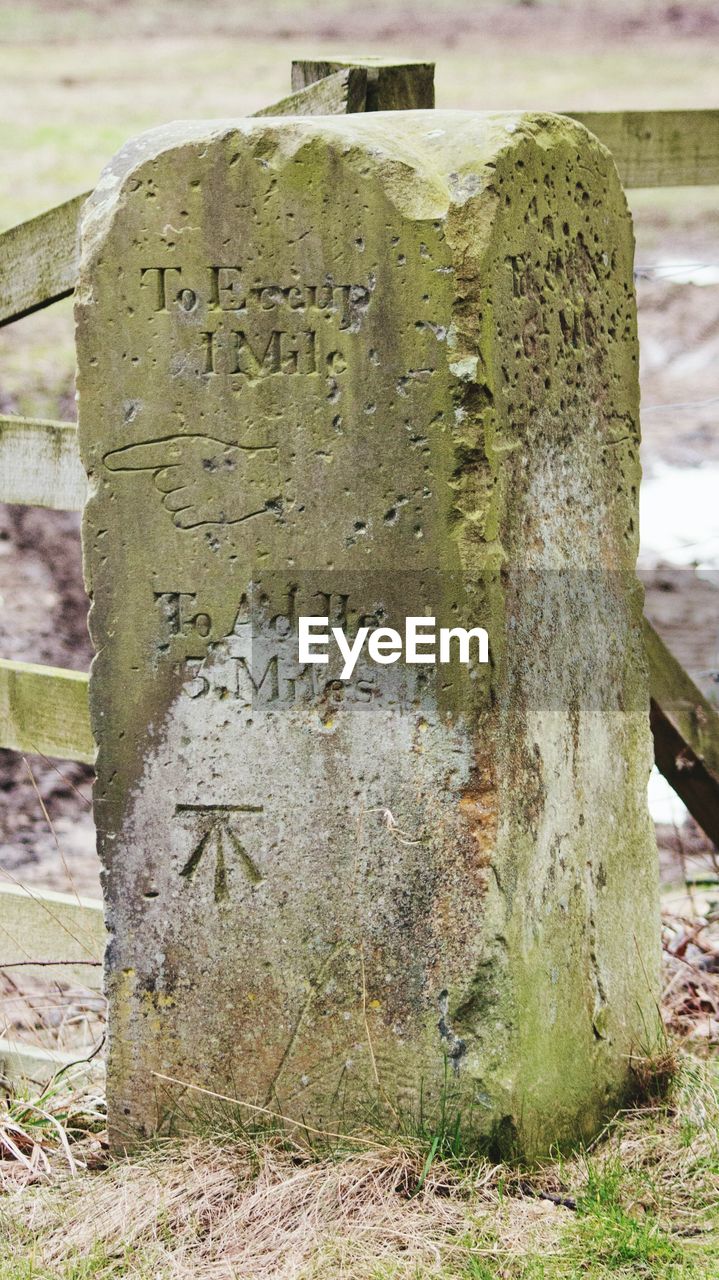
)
(365, 369)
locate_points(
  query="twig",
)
(567, 1202)
(369, 1037)
(40, 901)
(48, 819)
(393, 826)
(44, 964)
(274, 1115)
(681, 404)
(68, 781)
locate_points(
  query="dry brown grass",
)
(266, 1208)
(267, 1211)
(58, 1128)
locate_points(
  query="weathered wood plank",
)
(39, 260)
(391, 85)
(38, 929)
(20, 1062)
(686, 734)
(659, 148)
(343, 93)
(45, 710)
(40, 464)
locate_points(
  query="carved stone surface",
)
(365, 368)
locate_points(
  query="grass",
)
(243, 1203)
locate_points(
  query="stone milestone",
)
(361, 369)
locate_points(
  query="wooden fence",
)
(45, 710)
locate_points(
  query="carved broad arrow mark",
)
(220, 837)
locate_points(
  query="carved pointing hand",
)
(204, 480)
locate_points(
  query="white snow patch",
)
(664, 804)
(679, 516)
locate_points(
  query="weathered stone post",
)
(366, 368)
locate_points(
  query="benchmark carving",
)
(219, 838)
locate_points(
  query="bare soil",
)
(442, 25)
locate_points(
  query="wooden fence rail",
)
(685, 727)
(659, 148)
(51, 933)
(20, 1062)
(40, 464)
(57, 939)
(40, 260)
(44, 711)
